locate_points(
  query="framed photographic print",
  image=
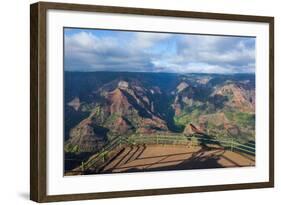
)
(134, 102)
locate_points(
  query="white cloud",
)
(142, 51)
(198, 53)
(145, 40)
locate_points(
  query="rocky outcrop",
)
(182, 86)
(112, 104)
(118, 102)
(84, 138)
(191, 129)
(238, 97)
(75, 103)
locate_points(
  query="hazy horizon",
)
(109, 71)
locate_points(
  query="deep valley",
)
(102, 106)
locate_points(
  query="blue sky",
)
(108, 50)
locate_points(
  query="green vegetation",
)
(97, 110)
(187, 117)
(241, 118)
(99, 114)
(85, 107)
(134, 118)
(182, 120)
(71, 148)
(148, 105)
(111, 119)
(245, 119)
